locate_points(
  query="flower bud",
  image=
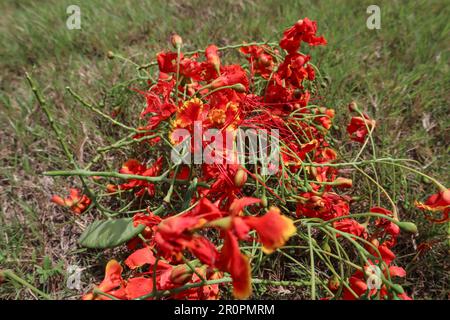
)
(212, 56)
(58, 200)
(264, 201)
(408, 227)
(111, 188)
(326, 247)
(343, 182)
(181, 274)
(265, 60)
(176, 40)
(240, 178)
(239, 87)
(333, 283)
(375, 242)
(353, 106)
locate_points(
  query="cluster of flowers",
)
(187, 253)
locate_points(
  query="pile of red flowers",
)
(207, 215)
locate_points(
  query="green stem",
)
(218, 281)
(104, 115)
(12, 276)
(313, 273)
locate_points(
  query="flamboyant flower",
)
(192, 110)
(326, 207)
(112, 284)
(205, 292)
(140, 187)
(231, 75)
(200, 240)
(349, 226)
(293, 69)
(212, 56)
(273, 229)
(76, 202)
(359, 127)
(138, 287)
(303, 30)
(439, 202)
(175, 234)
(150, 221)
(237, 264)
(386, 229)
(261, 62)
(358, 283)
(140, 257)
(167, 61)
(327, 119)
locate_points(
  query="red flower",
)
(273, 229)
(358, 282)
(237, 264)
(212, 56)
(159, 104)
(76, 202)
(188, 113)
(358, 285)
(140, 257)
(205, 292)
(349, 226)
(385, 228)
(167, 61)
(326, 120)
(134, 167)
(439, 202)
(111, 284)
(230, 75)
(138, 287)
(173, 234)
(204, 250)
(150, 222)
(328, 206)
(261, 62)
(304, 30)
(292, 69)
(359, 128)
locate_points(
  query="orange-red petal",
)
(273, 229)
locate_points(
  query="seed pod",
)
(240, 178)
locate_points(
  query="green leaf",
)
(109, 233)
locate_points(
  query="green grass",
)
(399, 75)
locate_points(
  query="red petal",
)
(140, 257)
(137, 287)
